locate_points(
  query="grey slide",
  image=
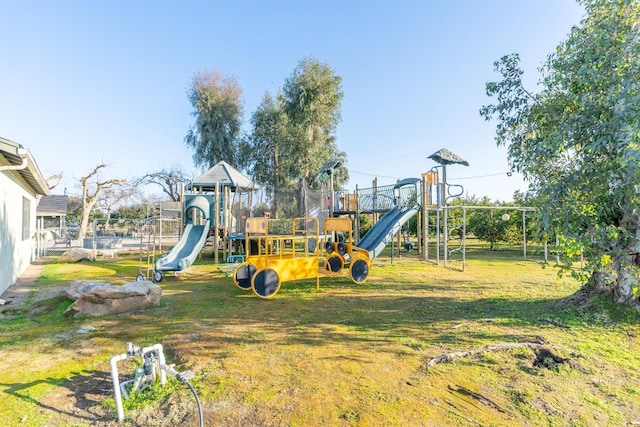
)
(383, 231)
(184, 253)
(192, 241)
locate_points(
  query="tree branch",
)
(53, 181)
(448, 357)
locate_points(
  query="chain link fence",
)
(120, 235)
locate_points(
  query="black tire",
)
(140, 277)
(342, 248)
(334, 264)
(265, 283)
(328, 246)
(243, 274)
(158, 276)
(359, 271)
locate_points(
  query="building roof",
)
(54, 205)
(19, 160)
(224, 175)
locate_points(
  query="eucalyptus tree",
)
(312, 99)
(218, 109)
(577, 141)
(268, 155)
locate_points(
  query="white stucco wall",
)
(15, 254)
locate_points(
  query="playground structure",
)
(208, 213)
(390, 206)
(148, 247)
(269, 258)
(457, 232)
(296, 255)
(197, 220)
(260, 257)
(432, 201)
(435, 184)
(342, 252)
(272, 259)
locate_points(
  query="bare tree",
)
(91, 192)
(115, 195)
(53, 181)
(169, 180)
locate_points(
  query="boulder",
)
(77, 254)
(80, 287)
(97, 298)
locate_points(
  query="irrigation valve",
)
(153, 367)
(183, 376)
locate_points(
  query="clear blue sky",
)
(85, 82)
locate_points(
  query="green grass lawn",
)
(347, 355)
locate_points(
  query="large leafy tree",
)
(312, 99)
(577, 141)
(293, 134)
(218, 109)
(489, 224)
(269, 157)
(133, 211)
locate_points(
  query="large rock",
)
(96, 298)
(77, 254)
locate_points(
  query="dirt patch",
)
(547, 359)
(80, 400)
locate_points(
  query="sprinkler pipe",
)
(133, 351)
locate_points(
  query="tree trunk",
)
(619, 282)
(276, 183)
(108, 219)
(625, 290)
(302, 198)
(86, 212)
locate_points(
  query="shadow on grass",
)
(206, 309)
(212, 317)
(80, 396)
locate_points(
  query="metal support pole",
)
(524, 234)
(445, 227)
(464, 237)
(546, 251)
(438, 236)
(332, 195)
(216, 220)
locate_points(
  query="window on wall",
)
(26, 218)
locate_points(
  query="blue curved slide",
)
(383, 231)
(192, 241)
